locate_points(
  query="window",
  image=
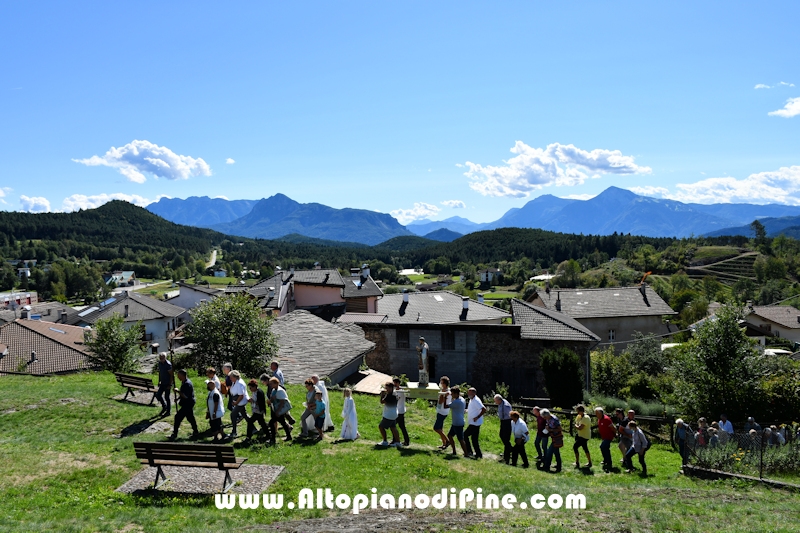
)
(612, 335)
(448, 339)
(401, 338)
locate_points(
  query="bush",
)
(563, 377)
(610, 372)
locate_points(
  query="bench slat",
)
(232, 465)
(183, 446)
(182, 456)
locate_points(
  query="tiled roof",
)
(608, 302)
(58, 347)
(784, 315)
(358, 287)
(140, 307)
(42, 308)
(540, 323)
(440, 307)
(327, 277)
(200, 288)
(361, 318)
(309, 345)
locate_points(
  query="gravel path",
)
(248, 479)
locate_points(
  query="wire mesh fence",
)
(757, 453)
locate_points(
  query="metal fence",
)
(760, 454)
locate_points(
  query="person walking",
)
(605, 426)
(519, 431)
(258, 406)
(239, 399)
(553, 430)
(584, 426)
(349, 417)
(320, 384)
(442, 410)
(475, 412)
(401, 410)
(639, 447)
(504, 414)
(215, 411)
(389, 419)
(166, 381)
(186, 403)
(542, 437)
(279, 409)
(307, 423)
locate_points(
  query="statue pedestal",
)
(413, 390)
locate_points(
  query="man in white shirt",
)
(328, 425)
(475, 412)
(725, 424)
(239, 399)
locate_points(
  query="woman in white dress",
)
(350, 419)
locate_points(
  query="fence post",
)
(761, 462)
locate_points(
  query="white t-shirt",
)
(401, 401)
(440, 407)
(215, 379)
(474, 409)
(210, 401)
(519, 430)
(238, 389)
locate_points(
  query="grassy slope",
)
(61, 464)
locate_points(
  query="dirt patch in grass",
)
(54, 463)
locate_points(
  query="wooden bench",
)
(160, 454)
(136, 382)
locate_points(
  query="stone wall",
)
(378, 359)
(504, 357)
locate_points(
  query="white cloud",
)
(455, 204)
(35, 204)
(82, 201)
(557, 164)
(139, 157)
(780, 84)
(3, 192)
(230, 161)
(420, 210)
(780, 186)
(579, 196)
(791, 109)
(221, 197)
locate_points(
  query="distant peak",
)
(616, 192)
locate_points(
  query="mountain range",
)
(613, 210)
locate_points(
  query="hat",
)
(422, 338)
(750, 419)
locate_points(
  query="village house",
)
(121, 278)
(468, 341)
(38, 348)
(54, 312)
(190, 296)
(220, 273)
(14, 299)
(612, 313)
(490, 274)
(775, 320)
(158, 318)
(323, 292)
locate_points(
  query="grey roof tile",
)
(440, 307)
(309, 345)
(140, 307)
(784, 315)
(545, 324)
(49, 312)
(607, 302)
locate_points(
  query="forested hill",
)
(114, 224)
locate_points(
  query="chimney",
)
(48, 312)
(126, 310)
(317, 266)
(405, 296)
(271, 292)
(291, 271)
(558, 301)
(643, 290)
(23, 313)
(750, 304)
(154, 346)
(87, 334)
(480, 298)
(365, 271)
(465, 302)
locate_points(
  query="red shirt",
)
(606, 428)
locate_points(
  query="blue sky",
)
(411, 108)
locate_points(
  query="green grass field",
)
(62, 460)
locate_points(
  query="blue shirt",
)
(504, 410)
(320, 408)
(457, 411)
(164, 378)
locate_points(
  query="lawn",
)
(63, 458)
(157, 290)
(710, 254)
